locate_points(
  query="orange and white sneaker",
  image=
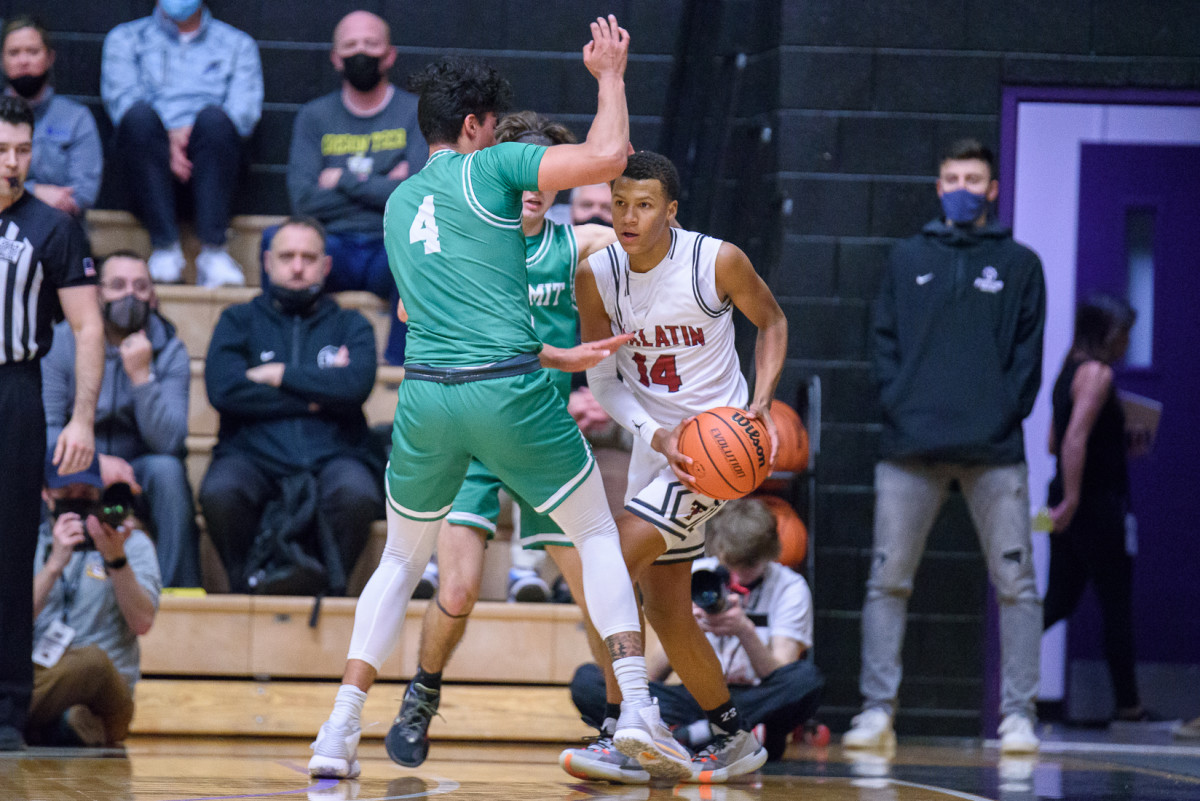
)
(641, 734)
(728, 755)
(601, 761)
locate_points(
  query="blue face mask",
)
(179, 10)
(962, 206)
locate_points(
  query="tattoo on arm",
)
(623, 644)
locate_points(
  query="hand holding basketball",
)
(666, 442)
(762, 413)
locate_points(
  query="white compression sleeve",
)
(618, 401)
(584, 517)
(379, 615)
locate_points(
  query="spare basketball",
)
(793, 534)
(793, 438)
(730, 451)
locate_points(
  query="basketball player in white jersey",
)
(675, 290)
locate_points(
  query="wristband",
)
(115, 564)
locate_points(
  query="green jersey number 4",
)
(424, 227)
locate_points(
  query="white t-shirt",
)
(784, 599)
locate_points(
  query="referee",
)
(45, 273)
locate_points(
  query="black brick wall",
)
(831, 141)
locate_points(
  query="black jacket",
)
(316, 414)
(958, 345)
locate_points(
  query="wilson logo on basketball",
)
(755, 437)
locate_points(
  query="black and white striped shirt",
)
(42, 250)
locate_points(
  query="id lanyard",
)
(69, 588)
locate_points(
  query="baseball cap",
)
(89, 475)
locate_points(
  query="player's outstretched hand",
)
(762, 414)
(581, 357)
(608, 50)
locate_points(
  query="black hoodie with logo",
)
(316, 414)
(957, 345)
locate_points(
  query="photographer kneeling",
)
(96, 589)
(758, 617)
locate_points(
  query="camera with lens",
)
(114, 506)
(710, 588)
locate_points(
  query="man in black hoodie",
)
(289, 372)
(958, 358)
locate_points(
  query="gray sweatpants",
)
(908, 496)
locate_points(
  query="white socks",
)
(348, 707)
(631, 675)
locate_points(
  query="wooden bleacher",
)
(279, 671)
(226, 664)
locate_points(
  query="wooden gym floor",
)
(1088, 766)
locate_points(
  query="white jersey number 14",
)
(424, 227)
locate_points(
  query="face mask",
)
(294, 301)
(28, 86)
(179, 10)
(595, 221)
(126, 315)
(362, 71)
(962, 206)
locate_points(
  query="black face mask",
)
(28, 86)
(362, 71)
(126, 315)
(294, 301)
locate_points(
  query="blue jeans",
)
(215, 148)
(359, 263)
(908, 496)
(165, 484)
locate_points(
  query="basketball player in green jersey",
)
(473, 385)
(552, 253)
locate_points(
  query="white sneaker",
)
(870, 729)
(335, 753)
(526, 586)
(641, 734)
(1016, 735)
(215, 267)
(166, 265)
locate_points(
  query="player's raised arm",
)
(737, 280)
(600, 157)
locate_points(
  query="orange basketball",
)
(793, 438)
(793, 534)
(731, 452)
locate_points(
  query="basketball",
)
(793, 534)
(730, 451)
(793, 438)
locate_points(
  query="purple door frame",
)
(1010, 101)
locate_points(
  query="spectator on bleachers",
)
(142, 413)
(591, 204)
(350, 149)
(67, 156)
(761, 626)
(289, 372)
(184, 91)
(95, 592)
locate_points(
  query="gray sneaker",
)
(725, 757)
(641, 734)
(601, 761)
(407, 741)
